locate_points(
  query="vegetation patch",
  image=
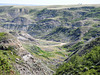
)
(35, 49)
(60, 53)
(3, 36)
(92, 33)
(82, 65)
(7, 57)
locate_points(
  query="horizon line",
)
(10, 4)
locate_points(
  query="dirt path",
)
(50, 44)
(61, 44)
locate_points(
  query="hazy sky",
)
(50, 2)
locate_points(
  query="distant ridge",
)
(1, 4)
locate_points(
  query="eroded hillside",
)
(19, 60)
(36, 40)
(53, 23)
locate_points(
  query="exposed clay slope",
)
(27, 64)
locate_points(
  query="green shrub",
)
(81, 65)
(2, 36)
(5, 67)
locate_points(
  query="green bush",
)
(5, 67)
(82, 65)
(2, 36)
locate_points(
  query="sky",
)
(49, 2)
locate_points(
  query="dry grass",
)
(53, 6)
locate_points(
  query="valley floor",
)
(51, 53)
